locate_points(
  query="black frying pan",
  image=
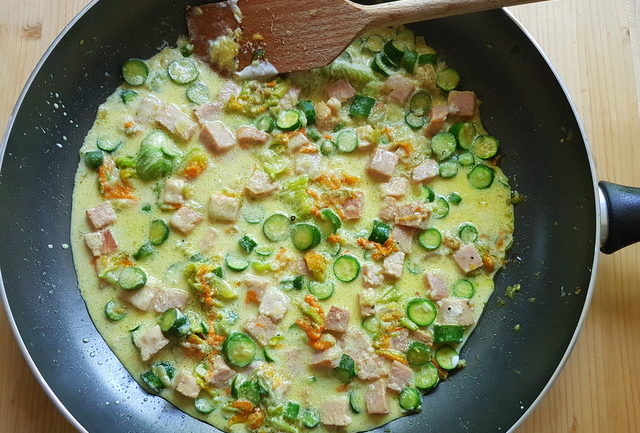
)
(545, 154)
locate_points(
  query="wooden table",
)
(595, 47)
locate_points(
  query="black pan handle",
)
(620, 209)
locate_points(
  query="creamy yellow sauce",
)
(489, 210)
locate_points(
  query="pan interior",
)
(523, 105)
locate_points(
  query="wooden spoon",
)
(297, 35)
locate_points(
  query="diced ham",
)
(436, 286)
(216, 136)
(175, 121)
(325, 121)
(219, 373)
(274, 304)
(230, 88)
(341, 89)
(308, 164)
(101, 242)
(376, 398)
(400, 340)
(257, 284)
(224, 208)
(365, 137)
(398, 88)
(262, 329)
(422, 336)
(101, 216)
(208, 241)
(372, 275)
(297, 141)
(173, 191)
(209, 112)
(389, 209)
(399, 376)
(290, 99)
(142, 299)
(352, 206)
(468, 258)
(437, 117)
(462, 104)
(356, 343)
(185, 219)
(334, 105)
(370, 366)
(329, 358)
(392, 265)
(186, 384)
(150, 342)
(425, 171)
(382, 164)
(337, 319)
(166, 297)
(260, 185)
(249, 136)
(335, 412)
(147, 109)
(456, 311)
(367, 301)
(396, 187)
(414, 214)
(403, 237)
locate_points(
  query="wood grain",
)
(591, 43)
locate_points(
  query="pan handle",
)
(620, 210)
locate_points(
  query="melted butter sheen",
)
(489, 210)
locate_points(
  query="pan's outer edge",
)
(65, 412)
(598, 220)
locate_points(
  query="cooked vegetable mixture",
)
(297, 253)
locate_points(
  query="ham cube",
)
(208, 241)
(101, 216)
(150, 342)
(403, 238)
(393, 264)
(399, 376)
(274, 304)
(173, 192)
(389, 209)
(248, 136)
(216, 136)
(352, 206)
(147, 109)
(425, 171)
(325, 121)
(166, 298)
(101, 242)
(186, 384)
(261, 328)
(219, 373)
(337, 319)
(462, 104)
(398, 89)
(224, 208)
(382, 164)
(396, 187)
(260, 185)
(208, 112)
(376, 398)
(367, 301)
(175, 121)
(257, 284)
(372, 275)
(335, 412)
(341, 89)
(185, 220)
(369, 366)
(230, 88)
(356, 343)
(414, 214)
(290, 99)
(400, 340)
(436, 286)
(297, 141)
(437, 117)
(423, 336)
(308, 164)
(366, 138)
(468, 258)
(329, 358)
(455, 311)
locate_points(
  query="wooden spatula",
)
(297, 35)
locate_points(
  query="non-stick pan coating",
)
(524, 106)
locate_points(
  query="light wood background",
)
(595, 45)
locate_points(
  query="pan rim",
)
(594, 265)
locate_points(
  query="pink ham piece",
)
(403, 238)
(422, 336)
(274, 304)
(396, 187)
(398, 89)
(393, 264)
(437, 117)
(186, 384)
(352, 206)
(173, 192)
(260, 185)
(185, 220)
(337, 319)
(176, 122)
(324, 117)
(341, 90)
(101, 242)
(367, 301)
(468, 258)
(329, 358)
(219, 373)
(147, 109)
(400, 340)
(216, 136)
(101, 216)
(462, 104)
(261, 328)
(456, 311)
(257, 284)
(399, 376)
(376, 398)
(372, 275)
(231, 88)
(370, 366)
(224, 208)
(413, 214)
(389, 209)
(209, 112)
(436, 286)
(248, 136)
(382, 165)
(150, 342)
(335, 412)
(425, 171)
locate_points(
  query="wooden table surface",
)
(595, 46)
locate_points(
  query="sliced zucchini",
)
(427, 377)
(427, 59)
(265, 123)
(430, 239)
(236, 263)
(321, 291)
(183, 71)
(443, 145)
(410, 399)
(418, 353)
(198, 93)
(361, 106)
(239, 349)
(144, 251)
(481, 176)
(465, 133)
(485, 146)
(307, 107)
(346, 268)
(374, 43)
(276, 227)
(305, 236)
(421, 311)
(152, 382)
(93, 158)
(327, 147)
(394, 49)
(347, 141)
(132, 278)
(288, 120)
(454, 198)
(128, 96)
(447, 358)
(330, 216)
(263, 250)
(409, 60)
(429, 195)
(158, 232)
(356, 401)
(414, 121)
(174, 322)
(247, 243)
(448, 79)
(448, 168)
(108, 146)
(468, 233)
(346, 369)
(440, 208)
(448, 334)
(466, 159)
(204, 405)
(380, 64)
(371, 325)
(463, 289)
(310, 417)
(420, 103)
(291, 410)
(115, 311)
(380, 232)
(135, 72)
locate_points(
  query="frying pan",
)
(558, 226)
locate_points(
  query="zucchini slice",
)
(239, 349)
(346, 268)
(421, 311)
